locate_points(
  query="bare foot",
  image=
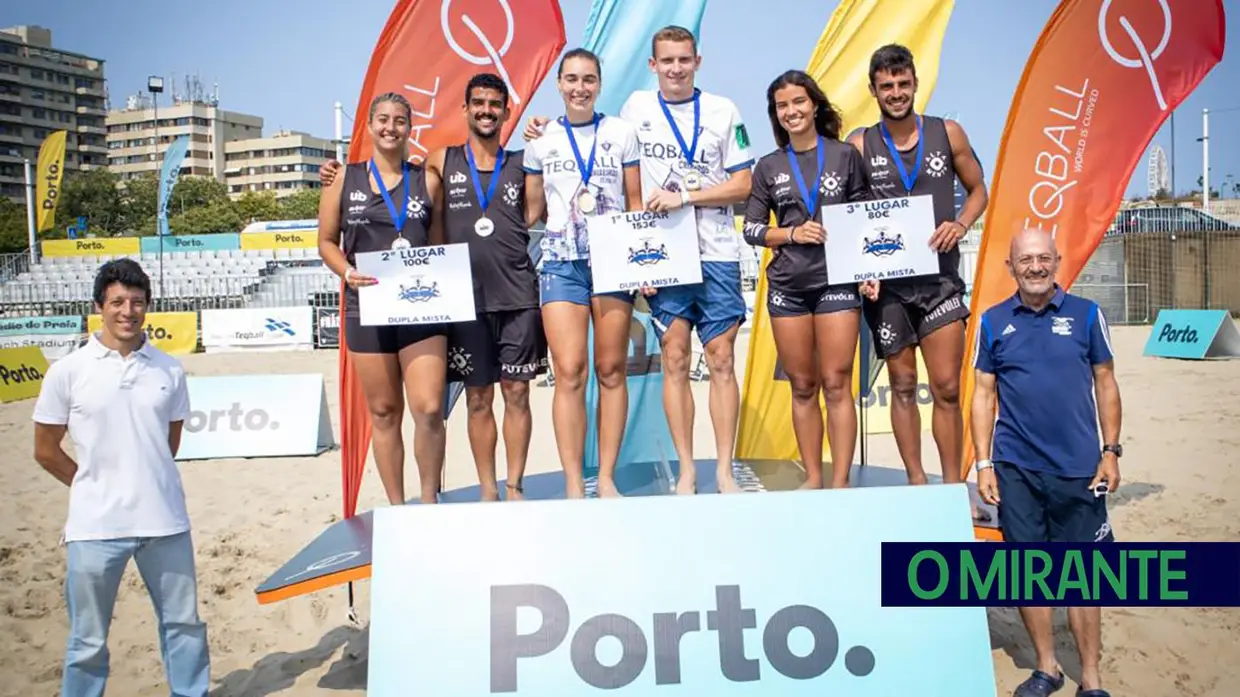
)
(575, 490)
(607, 488)
(686, 486)
(489, 494)
(839, 485)
(811, 484)
(514, 493)
(727, 485)
(917, 479)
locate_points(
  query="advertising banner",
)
(258, 329)
(91, 246)
(21, 372)
(651, 618)
(56, 336)
(49, 173)
(224, 241)
(256, 416)
(174, 333)
(293, 239)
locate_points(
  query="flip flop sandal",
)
(1039, 684)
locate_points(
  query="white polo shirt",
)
(118, 412)
(722, 149)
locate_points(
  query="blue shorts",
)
(712, 307)
(1044, 507)
(572, 282)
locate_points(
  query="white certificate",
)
(640, 248)
(878, 240)
(417, 285)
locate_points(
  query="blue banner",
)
(52, 324)
(224, 241)
(168, 176)
(620, 32)
(985, 574)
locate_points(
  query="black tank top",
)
(803, 267)
(366, 223)
(936, 178)
(504, 275)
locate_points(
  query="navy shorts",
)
(907, 312)
(504, 345)
(571, 282)
(783, 303)
(1043, 507)
(712, 307)
(387, 339)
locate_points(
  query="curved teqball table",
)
(342, 553)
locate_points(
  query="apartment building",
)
(132, 132)
(44, 89)
(284, 163)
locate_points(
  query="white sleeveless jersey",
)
(551, 155)
(722, 148)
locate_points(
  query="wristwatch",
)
(983, 465)
(1117, 449)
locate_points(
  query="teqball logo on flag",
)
(1102, 79)
(428, 51)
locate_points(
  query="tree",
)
(302, 205)
(258, 205)
(90, 194)
(13, 226)
(139, 197)
(204, 220)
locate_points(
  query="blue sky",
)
(288, 61)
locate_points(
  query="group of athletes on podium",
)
(668, 148)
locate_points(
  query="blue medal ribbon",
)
(484, 201)
(910, 180)
(688, 150)
(398, 215)
(810, 199)
(586, 170)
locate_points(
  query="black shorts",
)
(503, 345)
(386, 338)
(1043, 507)
(782, 303)
(905, 313)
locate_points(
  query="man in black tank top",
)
(484, 206)
(910, 154)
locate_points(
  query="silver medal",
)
(693, 181)
(484, 227)
(586, 203)
(400, 243)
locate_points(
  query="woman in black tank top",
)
(365, 207)
(815, 321)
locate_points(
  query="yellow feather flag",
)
(840, 64)
(48, 172)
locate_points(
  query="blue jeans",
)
(94, 577)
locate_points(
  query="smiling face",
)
(895, 93)
(389, 126)
(675, 63)
(579, 84)
(486, 111)
(123, 311)
(1033, 262)
(794, 109)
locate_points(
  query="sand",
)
(1180, 483)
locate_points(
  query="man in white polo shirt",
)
(122, 402)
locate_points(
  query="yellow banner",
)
(174, 333)
(91, 246)
(21, 372)
(279, 240)
(48, 173)
(840, 64)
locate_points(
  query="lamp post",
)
(155, 85)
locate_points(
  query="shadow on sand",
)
(277, 672)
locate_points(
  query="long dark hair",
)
(827, 120)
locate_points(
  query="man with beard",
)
(1048, 477)
(909, 154)
(483, 192)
